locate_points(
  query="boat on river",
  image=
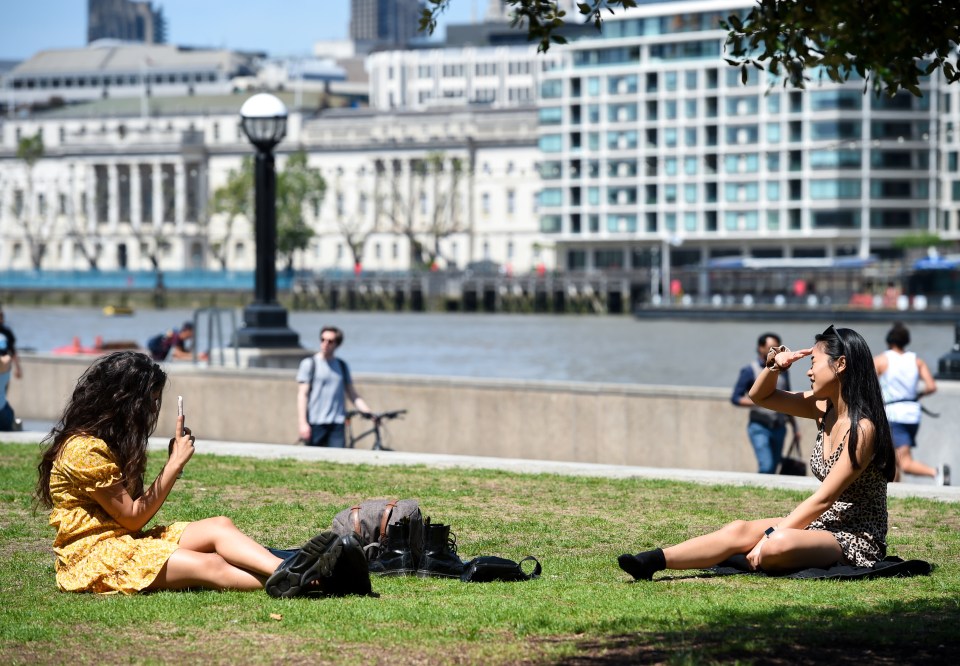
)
(100, 347)
(117, 311)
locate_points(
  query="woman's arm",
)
(765, 393)
(929, 385)
(838, 480)
(133, 514)
(880, 363)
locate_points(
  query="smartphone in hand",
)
(179, 413)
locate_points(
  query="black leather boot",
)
(439, 557)
(395, 557)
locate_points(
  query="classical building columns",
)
(113, 197)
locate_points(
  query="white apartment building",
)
(498, 76)
(119, 190)
(651, 144)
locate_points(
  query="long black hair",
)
(117, 400)
(860, 389)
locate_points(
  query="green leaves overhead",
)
(889, 44)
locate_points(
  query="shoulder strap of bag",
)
(313, 373)
(385, 516)
(355, 519)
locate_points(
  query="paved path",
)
(446, 461)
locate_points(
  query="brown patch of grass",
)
(248, 495)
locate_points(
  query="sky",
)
(279, 27)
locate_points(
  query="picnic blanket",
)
(887, 567)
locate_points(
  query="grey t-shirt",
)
(327, 400)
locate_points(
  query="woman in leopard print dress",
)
(845, 520)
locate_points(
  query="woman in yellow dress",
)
(91, 476)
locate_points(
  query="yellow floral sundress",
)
(94, 552)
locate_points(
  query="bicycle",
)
(378, 420)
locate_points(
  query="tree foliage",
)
(890, 44)
(354, 223)
(297, 185)
(233, 201)
(422, 201)
(36, 229)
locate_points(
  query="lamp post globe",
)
(263, 118)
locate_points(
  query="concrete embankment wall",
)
(655, 426)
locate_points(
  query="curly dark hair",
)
(117, 400)
(860, 389)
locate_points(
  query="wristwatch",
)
(770, 530)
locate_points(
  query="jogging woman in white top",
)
(899, 372)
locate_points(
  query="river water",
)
(527, 347)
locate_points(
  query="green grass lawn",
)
(583, 610)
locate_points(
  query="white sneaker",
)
(943, 475)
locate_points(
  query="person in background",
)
(11, 346)
(323, 384)
(175, 344)
(8, 420)
(900, 372)
(766, 429)
(91, 476)
(844, 521)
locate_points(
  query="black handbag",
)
(489, 568)
(793, 463)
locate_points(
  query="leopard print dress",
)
(858, 519)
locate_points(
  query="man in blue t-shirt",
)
(323, 384)
(7, 419)
(767, 429)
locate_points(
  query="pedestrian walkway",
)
(518, 465)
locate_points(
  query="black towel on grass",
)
(888, 566)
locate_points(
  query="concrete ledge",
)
(670, 427)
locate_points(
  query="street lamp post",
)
(264, 121)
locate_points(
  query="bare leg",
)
(798, 549)
(708, 550)
(219, 535)
(214, 554)
(907, 465)
(188, 568)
